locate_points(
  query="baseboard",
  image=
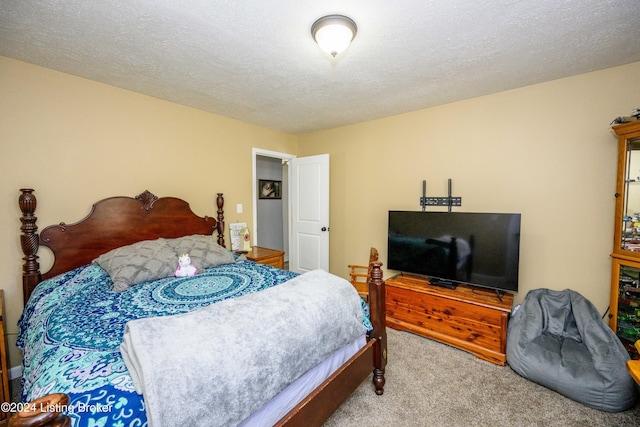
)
(15, 372)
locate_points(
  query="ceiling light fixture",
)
(333, 33)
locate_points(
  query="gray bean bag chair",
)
(558, 340)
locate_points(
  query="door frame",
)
(255, 152)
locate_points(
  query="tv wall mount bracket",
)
(448, 201)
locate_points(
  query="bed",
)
(120, 222)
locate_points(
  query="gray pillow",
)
(203, 250)
(155, 259)
(137, 263)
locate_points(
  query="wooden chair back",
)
(360, 274)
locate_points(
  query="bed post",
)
(220, 222)
(378, 320)
(29, 241)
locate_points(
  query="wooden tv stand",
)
(469, 318)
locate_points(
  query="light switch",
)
(239, 208)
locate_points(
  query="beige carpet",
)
(432, 384)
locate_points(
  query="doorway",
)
(271, 215)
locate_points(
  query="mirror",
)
(631, 209)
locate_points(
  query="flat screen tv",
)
(481, 249)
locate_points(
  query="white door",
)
(309, 204)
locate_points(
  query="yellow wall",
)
(76, 141)
(545, 151)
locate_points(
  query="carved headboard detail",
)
(112, 223)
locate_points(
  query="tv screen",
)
(481, 249)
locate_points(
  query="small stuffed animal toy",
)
(185, 268)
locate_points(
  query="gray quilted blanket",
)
(217, 365)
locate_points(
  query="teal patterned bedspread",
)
(72, 327)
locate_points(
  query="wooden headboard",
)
(112, 222)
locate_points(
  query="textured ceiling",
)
(255, 60)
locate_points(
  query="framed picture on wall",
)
(269, 189)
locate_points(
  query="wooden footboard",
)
(323, 401)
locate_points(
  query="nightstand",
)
(5, 396)
(267, 256)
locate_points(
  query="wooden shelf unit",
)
(469, 318)
(624, 304)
